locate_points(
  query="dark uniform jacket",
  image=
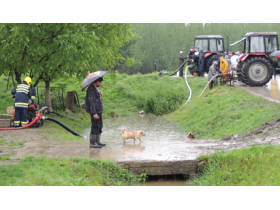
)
(201, 62)
(93, 102)
(33, 93)
(181, 59)
(191, 54)
(22, 93)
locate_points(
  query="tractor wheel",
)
(209, 62)
(257, 71)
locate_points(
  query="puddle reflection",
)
(274, 89)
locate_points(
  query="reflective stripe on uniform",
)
(33, 97)
(21, 106)
(22, 88)
(22, 91)
(18, 103)
(23, 123)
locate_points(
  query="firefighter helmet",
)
(28, 80)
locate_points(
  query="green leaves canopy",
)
(47, 51)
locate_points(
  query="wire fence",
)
(58, 97)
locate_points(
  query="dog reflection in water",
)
(132, 135)
(132, 149)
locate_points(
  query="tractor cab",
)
(210, 45)
(259, 42)
(257, 64)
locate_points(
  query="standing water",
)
(163, 141)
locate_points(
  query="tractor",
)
(260, 59)
(211, 44)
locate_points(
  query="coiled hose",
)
(63, 125)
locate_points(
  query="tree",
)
(48, 51)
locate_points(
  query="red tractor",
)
(211, 44)
(260, 59)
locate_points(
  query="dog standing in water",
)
(132, 135)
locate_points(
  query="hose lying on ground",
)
(65, 116)
(17, 128)
(63, 125)
(186, 70)
(209, 83)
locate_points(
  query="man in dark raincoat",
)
(94, 106)
(181, 60)
(212, 72)
(201, 64)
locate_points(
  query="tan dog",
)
(132, 135)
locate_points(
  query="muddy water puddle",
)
(156, 128)
(161, 136)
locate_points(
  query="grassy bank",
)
(255, 166)
(64, 172)
(223, 110)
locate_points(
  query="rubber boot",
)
(98, 140)
(93, 143)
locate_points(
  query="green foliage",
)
(45, 171)
(161, 43)
(255, 166)
(6, 98)
(142, 177)
(48, 51)
(125, 94)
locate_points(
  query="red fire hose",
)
(38, 117)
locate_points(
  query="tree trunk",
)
(18, 76)
(8, 82)
(13, 79)
(47, 94)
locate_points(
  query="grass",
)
(44, 171)
(56, 132)
(255, 166)
(223, 110)
(6, 157)
(11, 143)
(5, 98)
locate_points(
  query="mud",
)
(158, 147)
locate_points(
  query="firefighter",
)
(22, 94)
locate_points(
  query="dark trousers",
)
(20, 117)
(212, 83)
(181, 72)
(96, 125)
